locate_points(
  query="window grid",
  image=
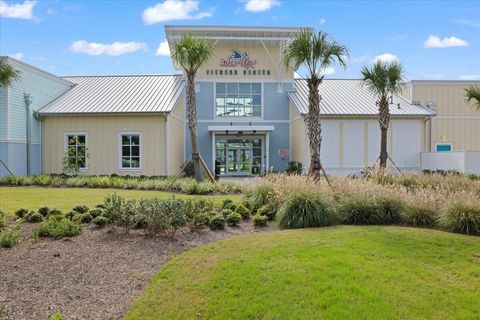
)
(238, 99)
(77, 150)
(130, 151)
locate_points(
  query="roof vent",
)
(432, 105)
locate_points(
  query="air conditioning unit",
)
(432, 105)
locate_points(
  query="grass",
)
(32, 198)
(345, 272)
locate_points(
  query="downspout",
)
(427, 145)
(165, 163)
(28, 102)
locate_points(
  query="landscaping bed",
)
(95, 275)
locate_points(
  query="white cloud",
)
(327, 71)
(260, 5)
(386, 57)
(163, 49)
(174, 10)
(17, 10)
(322, 21)
(18, 55)
(470, 77)
(435, 42)
(114, 49)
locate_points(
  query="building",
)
(250, 114)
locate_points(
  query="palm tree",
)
(316, 52)
(7, 74)
(384, 80)
(473, 95)
(190, 53)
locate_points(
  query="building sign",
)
(238, 59)
(283, 153)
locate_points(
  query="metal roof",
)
(349, 97)
(118, 94)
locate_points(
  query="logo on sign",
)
(238, 59)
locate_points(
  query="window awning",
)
(241, 129)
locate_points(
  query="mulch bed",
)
(96, 275)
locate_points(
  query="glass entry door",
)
(239, 160)
(239, 156)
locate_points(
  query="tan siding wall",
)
(298, 143)
(176, 137)
(456, 122)
(103, 142)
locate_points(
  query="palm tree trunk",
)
(314, 129)
(192, 125)
(384, 121)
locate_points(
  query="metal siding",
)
(118, 94)
(350, 97)
(3, 113)
(205, 101)
(276, 105)
(42, 89)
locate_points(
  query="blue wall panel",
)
(205, 101)
(276, 105)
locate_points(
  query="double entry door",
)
(239, 160)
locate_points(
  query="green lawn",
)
(330, 273)
(32, 198)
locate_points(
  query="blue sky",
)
(434, 40)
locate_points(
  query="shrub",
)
(189, 187)
(113, 205)
(244, 212)
(233, 219)
(260, 196)
(81, 209)
(58, 229)
(125, 218)
(267, 210)
(217, 222)
(226, 202)
(44, 211)
(461, 217)
(95, 212)
(100, 206)
(226, 212)
(419, 214)
(34, 217)
(56, 316)
(2, 220)
(306, 209)
(294, 167)
(201, 219)
(188, 170)
(70, 214)
(21, 213)
(54, 212)
(391, 208)
(9, 237)
(164, 214)
(230, 206)
(259, 220)
(100, 221)
(360, 209)
(82, 218)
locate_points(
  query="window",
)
(443, 147)
(238, 100)
(76, 150)
(130, 150)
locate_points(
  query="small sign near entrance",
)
(283, 153)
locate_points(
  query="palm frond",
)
(473, 95)
(191, 52)
(7, 74)
(383, 78)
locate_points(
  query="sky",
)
(438, 40)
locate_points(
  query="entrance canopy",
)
(240, 129)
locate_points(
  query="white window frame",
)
(65, 145)
(120, 155)
(444, 143)
(237, 119)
